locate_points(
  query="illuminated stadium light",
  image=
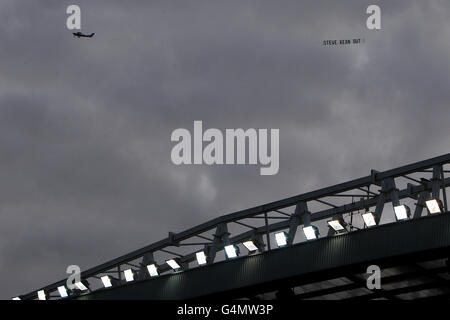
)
(231, 251)
(433, 206)
(129, 275)
(250, 246)
(201, 258)
(337, 225)
(16, 298)
(401, 212)
(369, 219)
(41, 295)
(62, 292)
(173, 264)
(281, 239)
(80, 286)
(106, 281)
(311, 232)
(152, 270)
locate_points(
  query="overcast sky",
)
(85, 124)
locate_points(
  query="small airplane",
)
(80, 35)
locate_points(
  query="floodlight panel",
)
(336, 225)
(401, 212)
(41, 295)
(106, 281)
(231, 251)
(201, 258)
(62, 292)
(152, 270)
(80, 286)
(281, 239)
(173, 264)
(310, 232)
(129, 276)
(250, 246)
(369, 219)
(433, 206)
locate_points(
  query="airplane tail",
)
(91, 35)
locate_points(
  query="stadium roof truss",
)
(420, 265)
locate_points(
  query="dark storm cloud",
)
(85, 171)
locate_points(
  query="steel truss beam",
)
(392, 245)
(388, 193)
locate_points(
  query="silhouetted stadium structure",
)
(316, 245)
